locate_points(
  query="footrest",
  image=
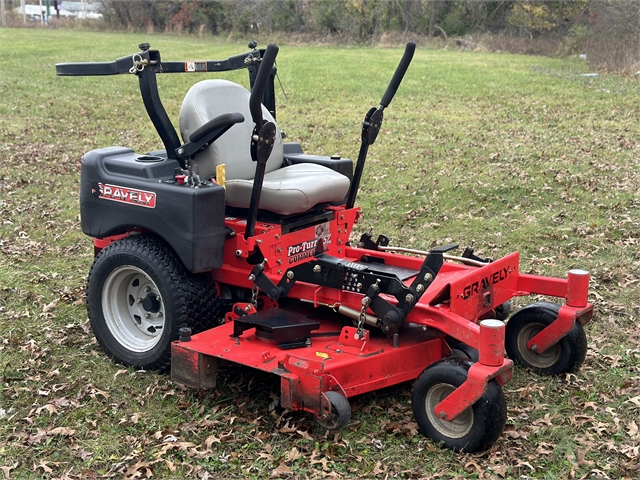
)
(287, 329)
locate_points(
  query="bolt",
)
(279, 250)
(290, 275)
(138, 300)
(359, 286)
(180, 151)
(159, 314)
(147, 316)
(428, 277)
(409, 298)
(317, 269)
(158, 298)
(420, 288)
(259, 241)
(252, 278)
(534, 348)
(185, 334)
(147, 289)
(277, 236)
(443, 415)
(247, 308)
(279, 272)
(279, 261)
(238, 253)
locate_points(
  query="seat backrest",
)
(208, 99)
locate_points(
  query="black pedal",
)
(286, 329)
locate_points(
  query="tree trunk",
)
(432, 18)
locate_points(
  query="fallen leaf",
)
(304, 435)
(6, 469)
(280, 470)
(293, 454)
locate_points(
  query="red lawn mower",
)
(234, 246)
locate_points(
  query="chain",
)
(138, 63)
(251, 58)
(366, 301)
(254, 296)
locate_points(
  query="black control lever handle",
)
(399, 74)
(260, 85)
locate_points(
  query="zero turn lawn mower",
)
(234, 246)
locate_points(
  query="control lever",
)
(373, 121)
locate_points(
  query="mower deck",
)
(332, 358)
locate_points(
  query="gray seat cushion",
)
(286, 190)
(292, 189)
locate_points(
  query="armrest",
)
(208, 133)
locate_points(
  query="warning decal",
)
(195, 66)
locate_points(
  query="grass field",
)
(509, 152)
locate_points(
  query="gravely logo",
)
(485, 282)
(132, 196)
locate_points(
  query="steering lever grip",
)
(399, 74)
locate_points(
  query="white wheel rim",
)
(460, 426)
(545, 359)
(132, 326)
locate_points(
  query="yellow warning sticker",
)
(322, 355)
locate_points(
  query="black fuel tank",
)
(121, 190)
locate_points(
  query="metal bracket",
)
(264, 283)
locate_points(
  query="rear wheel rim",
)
(546, 359)
(460, 426)
(123, 294)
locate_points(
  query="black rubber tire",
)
(475, 429)
(184, 299)
(462, 350)
(502, 311)
(340, 412)
(566, 356)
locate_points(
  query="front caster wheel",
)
(340, 412)
(473, 430)
(139, 294)
(565, 356)
(462, 350)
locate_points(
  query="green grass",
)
(509, 152)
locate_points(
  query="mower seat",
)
(286, 190)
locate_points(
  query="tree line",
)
(607, 31)
(353, 20)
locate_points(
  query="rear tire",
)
(564, 357)
(139, 294)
